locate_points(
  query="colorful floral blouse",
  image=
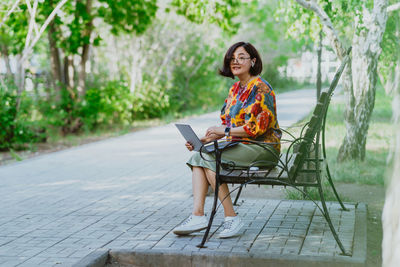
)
(254, 108)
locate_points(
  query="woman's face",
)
(241, 62)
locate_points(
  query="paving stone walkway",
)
(128, 192)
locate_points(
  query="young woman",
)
(249, 113)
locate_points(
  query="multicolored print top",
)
(254, 108)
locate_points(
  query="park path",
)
(124, 192)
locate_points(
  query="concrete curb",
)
(360, 233)
(97, 258)
(181, 258)
(174, 257)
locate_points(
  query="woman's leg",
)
(222, 193)
(199, 187)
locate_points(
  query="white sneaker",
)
(192, 224)
(232, 227)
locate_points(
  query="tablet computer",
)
(190, 136)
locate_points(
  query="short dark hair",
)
(254, 70)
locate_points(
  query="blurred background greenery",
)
(104, 65)
(112, 66)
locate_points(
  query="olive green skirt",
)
(241, 155)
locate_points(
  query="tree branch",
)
(393, 7)
(328, 26)
(42, 29)
(9, 12)
(31, 21)
(33, 11)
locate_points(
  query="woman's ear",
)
(253, 62)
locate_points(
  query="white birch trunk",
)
(391, 211)
(165, 67)
(6, 57)
(360, 101)
(392, 81)
(359, 78)
(136, 68)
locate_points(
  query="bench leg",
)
(329, 221)
(334, 189)
(237, 196)
(214, 210)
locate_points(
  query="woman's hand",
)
(207, 139)
(189, 146)
(216, 131)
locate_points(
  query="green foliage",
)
(217, 12)
(122, 16)
(111, 104)
(178, 62)
(300, 24)
(59, 112)
(313, 193)
(150, 101)
(390, 46)
(195, 80)
(380, 138)
(303, 23)
(370, 171)
(380, 134)
(263, 26)
(127, 16)
(17, 128)
(383, 107)
(13, 32)
(107, 105)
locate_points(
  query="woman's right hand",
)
(204, 140)
(209, 138)
(189, 146)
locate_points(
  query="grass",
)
(371, 171)
(314, 194)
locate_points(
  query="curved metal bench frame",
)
(290, 164)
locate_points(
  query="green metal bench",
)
(299, 167)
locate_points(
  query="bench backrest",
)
(306, 143)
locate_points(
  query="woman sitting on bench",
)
(249, 113)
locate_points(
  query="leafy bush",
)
(150, 101)
(60, 111)
(195, 80)
(107, 105)
(17, 127)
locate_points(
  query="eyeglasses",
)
(239, 60)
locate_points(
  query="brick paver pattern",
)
(130, 192)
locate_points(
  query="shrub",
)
(150, 101)
(60, 111)
(107, 105)
(17, 127)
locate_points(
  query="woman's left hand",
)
(216, 131)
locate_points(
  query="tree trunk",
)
(69, 72)
(360, 91)
(393, 79)
(85, 50)
(6, 57)
(82, 69)
(391, 211)
(55, 58)
(319, 52)
(20, 80)
(361, 97)
(137, 63)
